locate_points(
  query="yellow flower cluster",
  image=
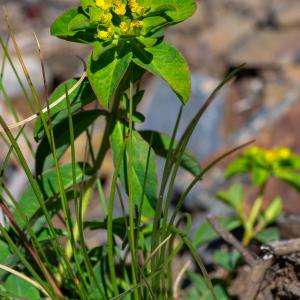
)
(135, 7)
(277, 154)
(120, 8)
(272, 156)
(104, 4)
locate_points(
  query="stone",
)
(223, 35)
(288, 14)
(275, 93)
(161, 107)
(266, 48)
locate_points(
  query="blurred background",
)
(223, 34)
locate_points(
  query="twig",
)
(257, 275)
(229, 238)
(280, 248)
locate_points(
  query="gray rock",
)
(161, 111)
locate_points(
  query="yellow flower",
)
(271, 156)
(120, 8)
(104, 4)
(111, 30)
(106, 18)
(137, 24)
(103, 34)
(135, 7)
(124, 27)
(284, 153)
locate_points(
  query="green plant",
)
(256, 220)
(262, 165)
(127, 40)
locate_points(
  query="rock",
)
(266, 48)
(33, 65)
(161, 107)
(288, 14)
(223, 35)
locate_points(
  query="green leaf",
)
(45, 235)
(290, 177)
(87, 3)
(165, 61)
(140, 152)
(205, 233)
(4, 251)
(226, 260)
(200, 290)
(273, 211)
(234, 197)
(20, 287)
(238, 166)
(160, 145)
(81, 121)
(119, 226)
(106, 73)
(178, 10)
(79, 22)
(80, 97)
(260, 175)
(268, 235)
(48, 185)
(60, 28)
(255, 211)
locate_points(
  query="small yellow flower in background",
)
(271, 156)
(124, 27)
(284, 153)
(120, 8)
(253, 151)
(137, 24)
(104, 4)
(103, 34)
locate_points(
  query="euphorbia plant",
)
(127, 39)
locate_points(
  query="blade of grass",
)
(24, 91)
(30, 249)
(27, 264)
(110, 244)
(199, 177)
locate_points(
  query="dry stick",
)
(280, 248)
(230, 238)
(52, 105)
(256, 276)
(22, 276)
(259, 266)
(31, 251)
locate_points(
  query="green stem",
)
(130, 186)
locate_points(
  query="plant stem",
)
(130, 186)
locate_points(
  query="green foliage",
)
(200, 291)
(144, 183)
(123, 32)
(227, 260)
(127, 40)
(18, 287)
(261, 165)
